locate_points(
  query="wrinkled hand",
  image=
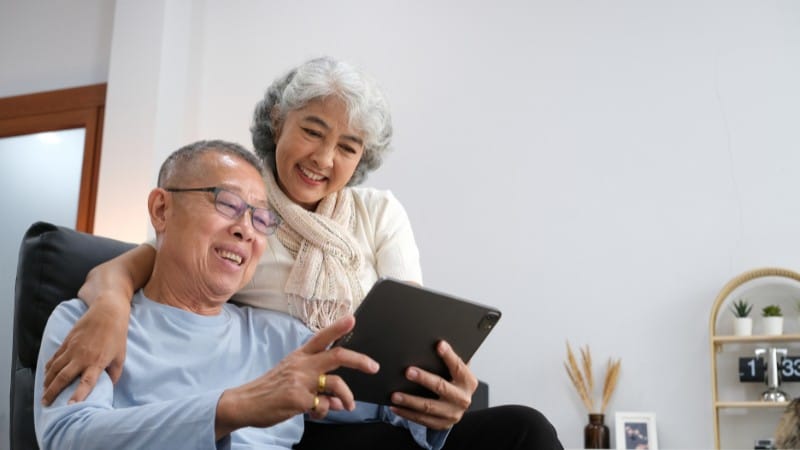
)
(455, 396)
(97, 342)
(291, 386)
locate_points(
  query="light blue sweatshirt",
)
(177, 365)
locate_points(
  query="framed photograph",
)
(636, 430)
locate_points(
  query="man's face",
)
(213, 255)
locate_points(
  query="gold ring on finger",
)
(321, 382)
(316, 403)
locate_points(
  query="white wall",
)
(598, 170)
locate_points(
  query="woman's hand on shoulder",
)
(97, 342)
(455, 396)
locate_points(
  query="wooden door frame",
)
(80, 107)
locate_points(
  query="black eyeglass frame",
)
(275, 219)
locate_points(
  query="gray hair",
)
(182, 160)
(367, 109)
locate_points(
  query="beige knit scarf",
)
(323, 282)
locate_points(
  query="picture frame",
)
(636, 431)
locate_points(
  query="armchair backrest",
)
(53, 263)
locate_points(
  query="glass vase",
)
(595, 435)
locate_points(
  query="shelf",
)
(719, 341)
(757, 404)
(756, 338)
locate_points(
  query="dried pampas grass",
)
(582, 378)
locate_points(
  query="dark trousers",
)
(499, 428)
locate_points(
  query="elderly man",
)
(201, 373)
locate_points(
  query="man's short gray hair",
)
(182, 159)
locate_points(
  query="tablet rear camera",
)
(488, 321)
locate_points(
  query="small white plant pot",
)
(773, 326)
(743, 326)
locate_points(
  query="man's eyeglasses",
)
(232, 206)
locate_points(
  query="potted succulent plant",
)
(772, 319)
(742, 324)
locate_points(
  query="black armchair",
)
(53, 263)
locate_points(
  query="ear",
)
(157, 206)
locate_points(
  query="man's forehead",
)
(255, 197)
(234, 174)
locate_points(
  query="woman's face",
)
(316, 151)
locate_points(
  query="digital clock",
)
(754, 369)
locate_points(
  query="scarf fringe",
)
(317, 314)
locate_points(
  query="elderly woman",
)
(320, 129)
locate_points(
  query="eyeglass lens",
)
(232, 206)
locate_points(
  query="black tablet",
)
(399, 324)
